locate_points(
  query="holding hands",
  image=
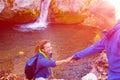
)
(70, 60)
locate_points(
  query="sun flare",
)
(116, 3)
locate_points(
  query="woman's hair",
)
(40, 45)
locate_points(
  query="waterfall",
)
(41, 22)
(2, 5)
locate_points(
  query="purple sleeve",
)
(95, 48)
(46, 63)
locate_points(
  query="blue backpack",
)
(30, 67)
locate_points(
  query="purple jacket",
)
(43, 66)
(111, 43)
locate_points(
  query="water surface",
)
(17, 47)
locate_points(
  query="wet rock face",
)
(19, 11)
(60, 11)
(67, 11)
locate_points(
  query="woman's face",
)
(47, 48)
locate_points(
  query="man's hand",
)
(70, 59)
(73, 60)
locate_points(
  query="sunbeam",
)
(116, 3)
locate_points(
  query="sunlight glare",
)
(116, 3)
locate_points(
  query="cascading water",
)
(41, 22)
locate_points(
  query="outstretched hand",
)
(71, 59)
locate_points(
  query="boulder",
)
(19, 11)
(67, 11)
(60, 11)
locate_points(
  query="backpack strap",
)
(37, 55)
(111, 32)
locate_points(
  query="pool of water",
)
(16, 47)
